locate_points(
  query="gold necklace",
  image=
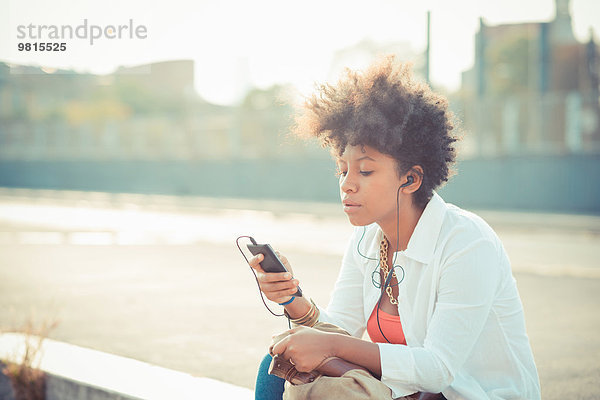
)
(383, 250)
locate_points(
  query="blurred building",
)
(167, 78)
(147, 112)
(532, 90)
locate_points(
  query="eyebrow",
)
(366, 158)
(358, 159)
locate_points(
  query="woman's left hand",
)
(307, 348)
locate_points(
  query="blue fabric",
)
(268, 387)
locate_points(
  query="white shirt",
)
(459, 306)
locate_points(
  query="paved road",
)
(195, 307)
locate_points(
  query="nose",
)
(348, 184)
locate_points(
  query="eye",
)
(339, 173)
(366, 173)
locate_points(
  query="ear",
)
(416, 172)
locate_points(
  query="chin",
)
(356, 221)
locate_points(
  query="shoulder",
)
(465, 235)
(460, 225)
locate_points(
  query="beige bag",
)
(334, 378)
(355, 384)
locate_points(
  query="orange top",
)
(390, 325)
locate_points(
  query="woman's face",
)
(369, 185)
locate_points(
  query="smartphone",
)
(271, 262)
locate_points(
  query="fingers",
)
(254, 262)
(293, 350)
(270, 276)
(284, 261)
(277, 338)
(284, 288)
(280, 347)
(277, 286)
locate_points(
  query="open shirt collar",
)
(421, 245)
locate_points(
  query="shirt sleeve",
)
(468, 283)
(345, 307)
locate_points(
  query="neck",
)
(399, 229)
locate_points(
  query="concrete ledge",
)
(77, 373)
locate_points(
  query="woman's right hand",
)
(277, 286)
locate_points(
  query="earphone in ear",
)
(410, 180)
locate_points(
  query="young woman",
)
(429, 282)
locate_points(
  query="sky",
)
(239, 44)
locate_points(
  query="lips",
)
(350, 206)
